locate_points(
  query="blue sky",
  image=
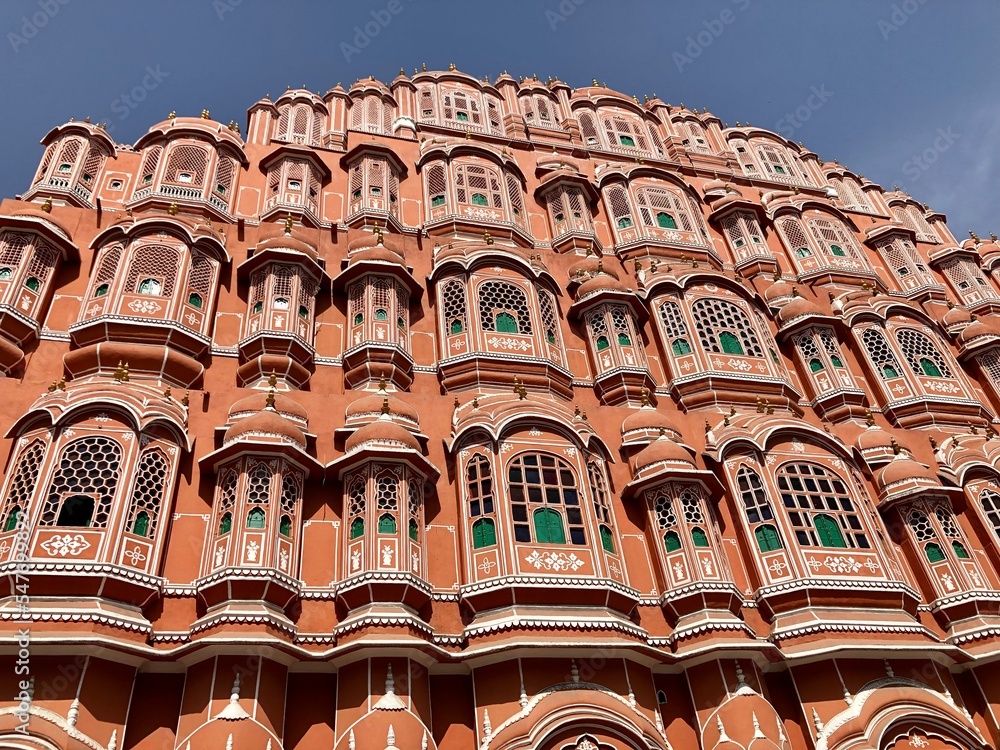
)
(910, 91)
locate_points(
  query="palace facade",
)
(451, 413)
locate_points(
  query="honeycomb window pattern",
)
(25, 477)
(148, 491)
(497, 297)
(455, 310)
(90, 467)
(714, 318)
(918, 350)
(880, 354)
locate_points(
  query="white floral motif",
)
(615, 570)
(948, 581)
(534, 432)
(917, 741)
(283, 560)
(356, 560)
(135, 555)
(570, 451)
(679, 573)
(102, 417)
(556, 561)
(252, 549)
(797, 446)
(220, 555)
(777, 567)
(65, 544)
(145, 306)
(508, 343)
(387, 555)
(841, 564)
(739, 364)
(415, 562)
(486, 566)
(941, 387)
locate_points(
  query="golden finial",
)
(119, 373)
(596, 83)
(895, 446)
(990, 432)
(381, 383)
(760, 405)
(694, 263)
(972, 428)
(186, 401)
(732, 410)
(288, 225)
(47, 206)
(457, 404)
(653, 264)
(933, 443)
(644, 396)
(233, 126)
(270, 398)
(61, 385)
(451, 66)
(172, 209)
(869, 418)
(52, 388)
(663, 432)
(378, 234)
(767, 407)
(172, 115)
(487, 238)
(777, 275)
(584, 416)
(475, 402)
(576, 411)
(205, 115)
(385, 405)
(973, 236)
(708, 427)
(401, 71)
(125, 373)
(795, 292)
(993, 236)
(166, 392)
(725, 420)
(128, 212)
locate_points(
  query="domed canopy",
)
(370, 407)
(663, 450)
(645, 425)
(257, 402)
(266, 424)
(383, 432)
(779, 292)
(979, 328)
(798, 309)
(903, 477)
(956, 316)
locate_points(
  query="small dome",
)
(874, 439)
(977, 329)
(649, 420)
(378, 254)
(267, 424)
(663, 450)
(37, 213)
(288, 242)
(600, 283)
(373, 240)
(257, 402)
(778, 292)
(371, 407)
(583, 269)
(956, 316)
(382, 431)
(799, 307)
(903, 469)
(988, 249)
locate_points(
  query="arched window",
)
(537, 479)
(356, 507)
(13, 516)
(291, 487)
(663, 208)
(820, 507)
(921, 355)
(255, 519)
(478, 185)
(675, 328)
(22, 481)
(387, 501)
(990, 502)
(934, 552)
(484, 533)
(602, 505)
(503, 304)
(724, 328)
(151, 476)
(87, 474)
(795, 236)
(880, 353)
(757, 509)
(228, 483)
(588, 128)
(153, 270)
(285, 525)
(386, 524)
(454, 306)
(226, 523)
(620, 208)
(186, 166)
